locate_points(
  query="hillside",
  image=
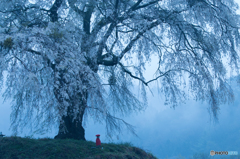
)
(46, 148)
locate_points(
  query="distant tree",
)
(68, 59)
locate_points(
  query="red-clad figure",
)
(98, 142)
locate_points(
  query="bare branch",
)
(146, 83)
(24, 9)
(25, 66)
(131, 43)
(146, 5)
(113, 124)
(128, 72)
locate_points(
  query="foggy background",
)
(164, 131)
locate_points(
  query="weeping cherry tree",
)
(66, 60)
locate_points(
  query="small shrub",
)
(45, 138)
(8, 43)
(56, 34)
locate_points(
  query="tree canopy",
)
(75, 58)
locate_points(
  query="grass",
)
(47, 148)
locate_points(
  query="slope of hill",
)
(46, 148)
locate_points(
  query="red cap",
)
(97, 135)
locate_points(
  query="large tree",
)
(68, 59)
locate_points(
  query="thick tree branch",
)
(53, 10)
(134, 6)
(104, 39)
(86, 21)
(103, 22)
(109, 53)
(106, 20)
(72, 5)
(112, 62)
(116, 59)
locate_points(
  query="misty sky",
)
(164, 131)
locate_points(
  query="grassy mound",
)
(46, 148)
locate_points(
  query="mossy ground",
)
(47, 148)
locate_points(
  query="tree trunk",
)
(68, 127)
(74, 130)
